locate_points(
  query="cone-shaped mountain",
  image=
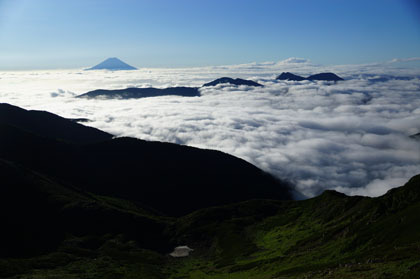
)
(113, 64)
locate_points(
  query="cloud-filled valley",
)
(351, 136)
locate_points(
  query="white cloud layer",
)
(351, 136)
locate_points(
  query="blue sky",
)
(41, 34)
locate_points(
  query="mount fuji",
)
(113, 64)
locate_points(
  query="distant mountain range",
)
(77, 203)
(112, 64)
(129, 93)
(321, 76)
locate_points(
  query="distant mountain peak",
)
(325, 76)
(320, 76)
(236, 81)
(289, 76)
(113, 64)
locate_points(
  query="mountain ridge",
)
(321, 76)
(141, 170)
(236, 81)
(135, 92)
(49, 125)
(130, 93)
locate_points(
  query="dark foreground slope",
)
(53, 228)
(70, 199)
(37, 212)
(330, 236)
(170, 178)
(84, 211)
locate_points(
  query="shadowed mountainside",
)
(37, 211)
(171, 178)
(100, 210)
(55, 230)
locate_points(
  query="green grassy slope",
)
(330, 236)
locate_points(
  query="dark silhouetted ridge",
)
(325, 76)
(50, 125)
(236, 81)
(289, 76)
(133, 93)
(320, 76)
(170, 178)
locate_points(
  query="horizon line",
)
(263, 63)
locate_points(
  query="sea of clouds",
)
(351, 136)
